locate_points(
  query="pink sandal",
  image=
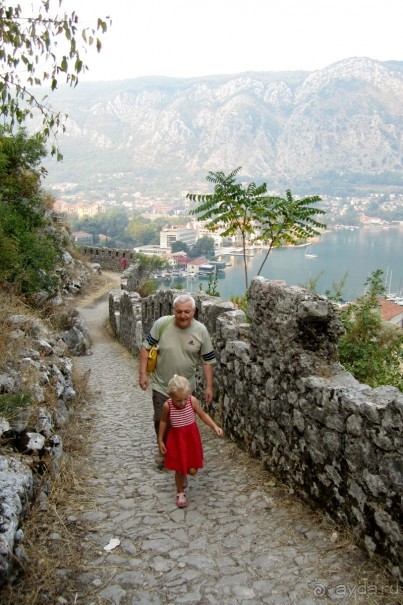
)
(181, 500)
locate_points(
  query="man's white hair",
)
(183, 299)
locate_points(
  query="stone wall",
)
(284, 397)
(108, 258)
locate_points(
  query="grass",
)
(52, 540)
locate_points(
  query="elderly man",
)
(183, 344)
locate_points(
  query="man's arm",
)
(150, 340)
(208, 373)
(143, 376)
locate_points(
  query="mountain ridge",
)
(338, 129)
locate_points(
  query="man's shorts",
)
(158, 401)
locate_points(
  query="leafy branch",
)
(38, 49)
(247, 212)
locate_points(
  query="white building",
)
(202, 231)
(169, 235)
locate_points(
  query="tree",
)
(285, 221)
(179, 247)
(38, 49)
(29, 250)
(371, 349)
(229, 208)
(312, 283)
(203, 247)
(336, 294)
(212, 286)
(146, 265)
(247, 212)
(144, 231)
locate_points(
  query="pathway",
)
(243, 540)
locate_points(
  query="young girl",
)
(183, 450)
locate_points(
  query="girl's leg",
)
(179, 482)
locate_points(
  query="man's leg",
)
(158, 401)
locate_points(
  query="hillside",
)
(336, 130)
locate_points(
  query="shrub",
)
(371, 349)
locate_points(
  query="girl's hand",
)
(162, 448)
(219, 431)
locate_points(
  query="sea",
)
(347, 254)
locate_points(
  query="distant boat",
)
(308, 254)
(218, 264)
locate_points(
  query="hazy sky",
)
(197, 38)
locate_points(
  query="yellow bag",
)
(153, 352)
(152, 359)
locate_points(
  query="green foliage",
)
(212, 285)
(247, 212)
(286, 220)
(229, 209)
(179, 247)
(123, 229)
(203, 247)
(113, 223)
(9, 257)
(147, 287)
(336, 294)
(144, 231)
(312, 283)
(371, 349)
(149, 263)
(39, 48)
(146, 266)
(240, 302)
(28, 251)
(12, 403)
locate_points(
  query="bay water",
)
(351, 253)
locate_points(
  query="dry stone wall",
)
(284, 397)
(107, 258)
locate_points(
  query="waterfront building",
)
(169, 235)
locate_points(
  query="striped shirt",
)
(182, 417)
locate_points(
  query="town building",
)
(391, 312)
(82, 237)
(169, 235)
(198, 266)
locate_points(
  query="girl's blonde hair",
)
(178, 383)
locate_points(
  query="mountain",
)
(335, 130)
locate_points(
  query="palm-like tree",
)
(229, 208)
(250, 212)
(286, 221)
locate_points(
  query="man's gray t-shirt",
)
(181, 351)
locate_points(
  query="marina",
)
(350, 255)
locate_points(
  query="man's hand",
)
(143, 381)
(209, 394)
(209, 381)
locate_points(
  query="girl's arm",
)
(206, 418)
(162, 428)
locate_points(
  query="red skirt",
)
(184, 449)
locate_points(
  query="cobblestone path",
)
(243, 540)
